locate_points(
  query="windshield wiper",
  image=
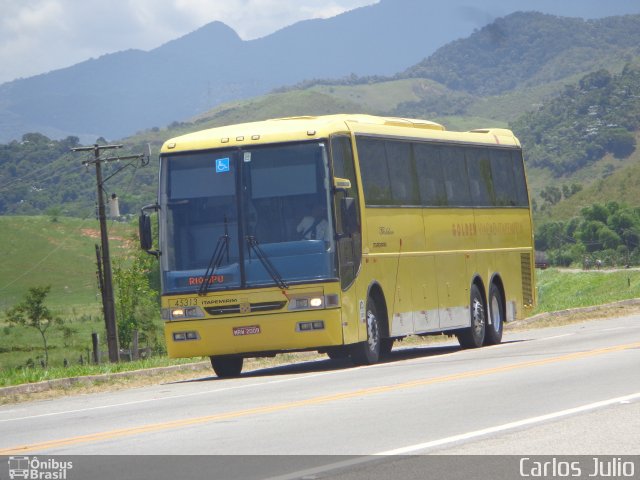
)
(222, 247)
(266, 263)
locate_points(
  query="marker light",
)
(309, 326)
(184, 336)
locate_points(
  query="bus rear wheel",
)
(493, 334)
(473, 336)
(227, 367)
(368, 353)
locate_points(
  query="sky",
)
(37, 36)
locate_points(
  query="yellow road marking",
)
(112, 434)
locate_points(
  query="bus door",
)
(349, 237)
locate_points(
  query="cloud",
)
(40, 35)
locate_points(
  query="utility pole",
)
(108, 302)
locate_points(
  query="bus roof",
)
(309, 127)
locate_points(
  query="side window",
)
(520, 179)
(401, 173)
(343, 167)
(373, 169)
(430, 175)
(480, 179)
(456, 182)
(502, 172)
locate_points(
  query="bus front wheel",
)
(473, 336)
(227, 367)
(368, 353)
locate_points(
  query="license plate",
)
(252, 330)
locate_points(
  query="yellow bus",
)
(340, 234)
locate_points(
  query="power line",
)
(26, 177)
(108, 301)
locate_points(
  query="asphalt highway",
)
(571, 390)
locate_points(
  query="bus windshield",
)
(246, 218)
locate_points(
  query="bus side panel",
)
(395, 240)
(450, 233)
(508, 232)
(425, 295)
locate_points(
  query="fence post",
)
(96, 348)
(134, 346)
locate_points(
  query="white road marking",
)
(554, 337)
(510, 426)
(313, 472)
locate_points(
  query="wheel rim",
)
(372, 331)
(478, 318)
(496, 315)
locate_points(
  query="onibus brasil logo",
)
(36, 469)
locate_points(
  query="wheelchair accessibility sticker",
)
(222, 165)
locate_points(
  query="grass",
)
(40, 252)
(37, 251)
(562, 289)
(21, 375)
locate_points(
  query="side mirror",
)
(144, 229)
(349, 215)
(343, 184)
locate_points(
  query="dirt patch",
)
(94, 233)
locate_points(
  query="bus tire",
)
(227, 367)
(493, 333)
(473, 336)
(368, 353)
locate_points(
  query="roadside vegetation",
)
(557, 290)
(602, 236)
(569, 90)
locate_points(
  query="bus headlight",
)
(307, 302)
(182, 313)
(313, 301)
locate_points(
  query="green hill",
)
(538, 74)
(525, 49)
(621, 184)
(37, 252)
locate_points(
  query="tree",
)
(136, 301)
(595, 213)
(33, 313)
(620, 142)
(551, 194)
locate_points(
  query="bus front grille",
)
(240, 308)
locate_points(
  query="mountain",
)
(578, 122)
(121, 93)
(529, 49)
